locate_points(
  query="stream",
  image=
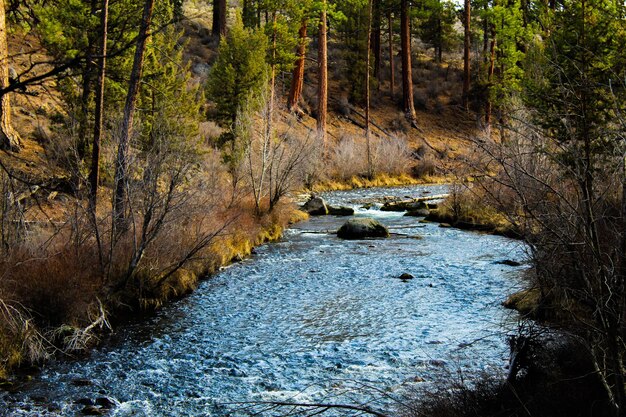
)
(311, 318)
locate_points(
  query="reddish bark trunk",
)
(322, 93)
(407, 77)
(466, 56)
(9, 139)
(297, 77)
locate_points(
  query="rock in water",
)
(90, 410)
(316, 206)
(418, 213)
(406, 276)
(340, 211)
(508, 262)
(362, 228)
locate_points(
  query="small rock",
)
(105, 403)
(508, 262)
(418, 213)
(201, 69)
(237, 373)
(340, 211)
(315, 206)
(445, 225)
(91, 410)
(406, 276)
(81, 382)
(237, 258)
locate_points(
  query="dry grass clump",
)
(389, 156)
(470, 208)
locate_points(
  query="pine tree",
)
(9, 139)
(240, 70)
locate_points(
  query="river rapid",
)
(311, 318)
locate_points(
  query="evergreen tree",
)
(240, 70)
(437, 26)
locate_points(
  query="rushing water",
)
(311, 318)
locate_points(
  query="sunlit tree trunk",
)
(367, 89)
(322, 93)
(9, 139)
(466, 55)
(490, 72)
(392, 67)
(121, 166)
(407, 77)
(297, 78)
(375, 40)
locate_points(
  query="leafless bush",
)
(420, 99)
(348, 158)
(433, 90)
(12, 219)
(569, 205)
(426, 166)
(400, 124)
(343, 105)
(391, 155)
(273, 164)
(210, 132)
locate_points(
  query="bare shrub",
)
(343, 105)
(391, 155)
(426, 166)
(400, 124)
(210, 132)
(420, 99)
(433, 90)
(348, 158)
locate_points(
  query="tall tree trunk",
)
(9, 139)
(439, 47)
(407, 77)
(466, 55)
(491, 69)
(269, 114)
(367, 89)
(322, 84)
(94, 173)
(121, 165)
(297, 77)
(376, 45)
(392, 65)
(88, 73)
(485, 33)
(218, 27)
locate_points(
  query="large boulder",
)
(316, 206)
(407, 205)
(362, 228)
(340, 211)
